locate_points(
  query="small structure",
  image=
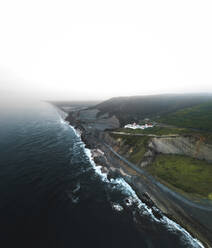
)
(136, 126)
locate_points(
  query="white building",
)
(136, 126)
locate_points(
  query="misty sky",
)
(98, 49)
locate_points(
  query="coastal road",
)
(148, 135)
(161, 186)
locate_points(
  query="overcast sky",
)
(98, 49)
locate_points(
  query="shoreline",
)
(160, 204)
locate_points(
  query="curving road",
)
(159, 185)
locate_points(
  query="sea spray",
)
(132, 198)
(144, 209)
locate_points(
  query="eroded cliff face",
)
(91, 121)
(189, 146)
(178, 145)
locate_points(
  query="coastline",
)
(157, 201)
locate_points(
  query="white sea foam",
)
(75, 199)
(77, 188)
(96, 168)
(124, 186)
(62, 121)
(129, 201)
(61, 113)
(171, 225)
(187, 238)
(62, 116)
(117, 207)
(144, 209)
(77, 133)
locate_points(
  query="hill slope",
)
(128, 109)
(198, 117)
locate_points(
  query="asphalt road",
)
(162, 187)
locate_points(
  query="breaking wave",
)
(143, 209)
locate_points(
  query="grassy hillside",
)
(198, 117)
(187, 174)
(133, 148)
(135, 108)
(157, 130)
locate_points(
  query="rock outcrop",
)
(90, 120)
(182, 145)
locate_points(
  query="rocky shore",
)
(195, 221)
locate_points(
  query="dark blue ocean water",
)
(53, 195)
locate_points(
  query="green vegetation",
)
(187, 174)
(133, 147)
(196, 117)
(137, 108)
(155, 130)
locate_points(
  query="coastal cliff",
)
(89, 119)
(101, 143)
(183, 145)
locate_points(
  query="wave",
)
(132, 198)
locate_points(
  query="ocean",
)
(52, 194)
